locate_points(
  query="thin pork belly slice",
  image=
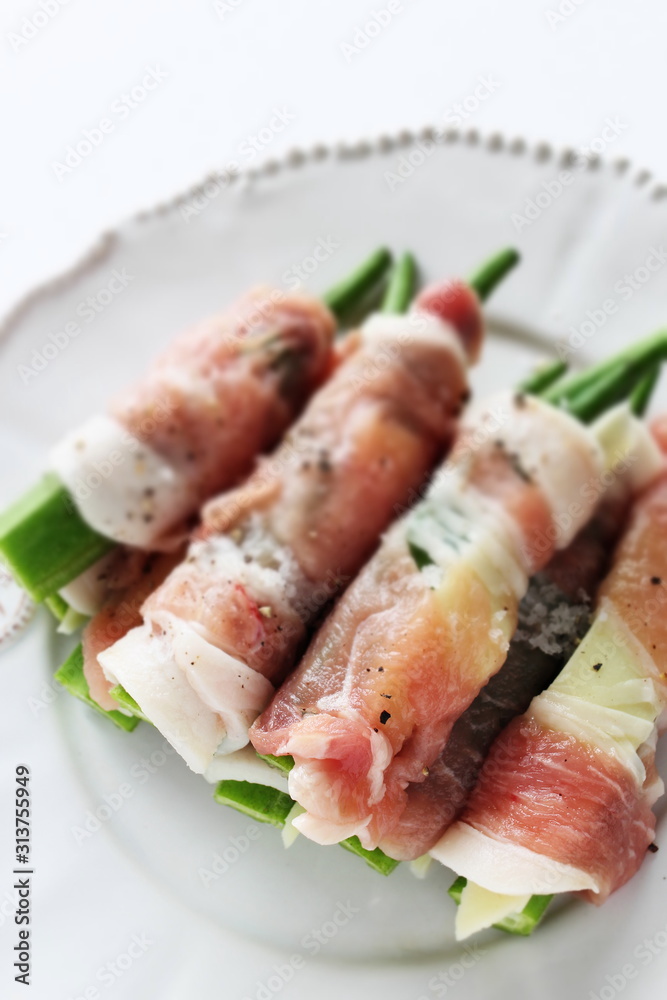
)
(156, 662)
(378, 428)
(271, 555)
(553, 617)
(222, 393)
(559, 797)
(129, 577)
(573, 780)
(433, 804)
(429, 619)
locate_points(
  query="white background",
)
(556, 77)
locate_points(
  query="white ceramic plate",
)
(250, 930)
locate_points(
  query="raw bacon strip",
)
(564, 799)
(223, 392)
(407, 649)
(272, 554)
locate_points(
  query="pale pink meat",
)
(373, 702)
(366, 442)
(226, 389)
(132, 578)
(559, 795)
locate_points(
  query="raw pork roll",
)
(228, 624)
(223, 392)
(564, 800)
(553, 617)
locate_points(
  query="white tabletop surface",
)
(335, 69)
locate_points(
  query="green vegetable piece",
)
(285, 763)
(346, 296)
(376, 859)
(543, 378)
(127, 701)
(401, 288)
(643, 390)
(492, 272)
(456, 889)
(523, 923)
(420, 555)
(71, 676)
(613, 386)
(57, 606)
(648, 351)
(260, 802)
(44, 541)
